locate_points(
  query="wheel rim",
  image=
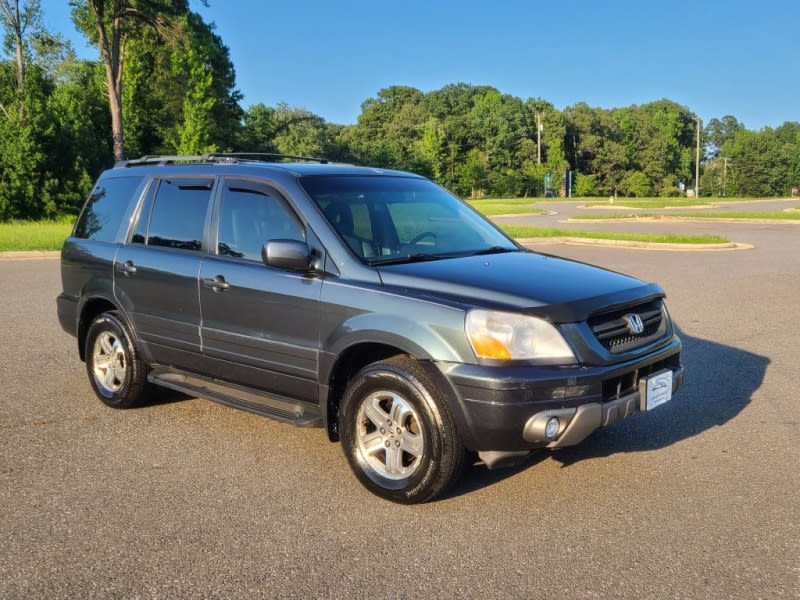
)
(109, 363)
(389, 435)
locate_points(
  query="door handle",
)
(218, 283)
(127, 268)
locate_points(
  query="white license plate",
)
(656, 389)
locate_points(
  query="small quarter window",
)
(102, 215)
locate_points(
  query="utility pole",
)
(539, 129)
(697, 160)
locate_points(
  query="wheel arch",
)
(349, 362)
(371, 337)
(91, 309)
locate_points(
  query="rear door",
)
(156, 273)
(260, 325)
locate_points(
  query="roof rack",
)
(216, 157)
(266, 156)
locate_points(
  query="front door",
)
(260, 325)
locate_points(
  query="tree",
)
(473, 173)
(720, 131)
(299, 132)
(636, 184)
(765, 161)
(110, 24)
(287, 130)
(21, 22)
(194, 133)
(585, 185)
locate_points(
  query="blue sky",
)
(716, 58)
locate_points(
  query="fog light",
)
(552, 427)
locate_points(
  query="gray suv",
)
(368, 302)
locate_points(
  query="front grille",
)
(613, 331)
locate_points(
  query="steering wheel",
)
(422, 236)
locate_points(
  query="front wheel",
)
(117, 374)
(397, 432)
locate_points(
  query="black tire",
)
(398, 433)
(116, 372)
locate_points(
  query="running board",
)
(255, 401)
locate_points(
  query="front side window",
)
(251, 215)
(394, 219)
(179, 213)
(102, 216)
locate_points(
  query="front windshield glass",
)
(386, 219)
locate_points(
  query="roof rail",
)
(158, 159)
(215, 157)
(266, 156)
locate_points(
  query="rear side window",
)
(179, 213)
(102, 215)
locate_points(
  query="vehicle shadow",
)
(160, 396)
(720, 382)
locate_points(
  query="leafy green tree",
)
(636, 184)
(259, 129)
(21, 21)
(585, 185)
(473, 174)
(765, 161)
(180, 98)
(300, 132)
(390, 130)
(720, 131)
(110, 24)
(194, 133)
(658, 138)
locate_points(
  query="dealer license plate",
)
(656, 389)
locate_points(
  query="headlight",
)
(509, 336)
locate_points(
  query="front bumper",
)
(504, 409)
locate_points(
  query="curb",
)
(29, 254)
(673, 219)
(637, 245)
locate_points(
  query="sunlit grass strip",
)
(505, 206)
(530, 231)
(665, 202)
(34, 235)
(648, 203)
(704, 214)
(49, 235)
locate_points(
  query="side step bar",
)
(255, 401)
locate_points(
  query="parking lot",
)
(186, 498)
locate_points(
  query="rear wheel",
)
(117, 374)
(397, 432)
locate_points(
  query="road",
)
(188, 499)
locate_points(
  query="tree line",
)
(164, 83)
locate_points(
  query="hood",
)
(558, 289)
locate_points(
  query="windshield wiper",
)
(493, 250)
(409, 258)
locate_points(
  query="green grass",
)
(705, 214)
(34, 235)
(505, 206)
(50, 235)
(529, 231)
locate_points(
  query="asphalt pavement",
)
(188, 499)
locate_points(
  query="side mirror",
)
(287, 254)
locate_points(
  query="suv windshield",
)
(389, 219)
